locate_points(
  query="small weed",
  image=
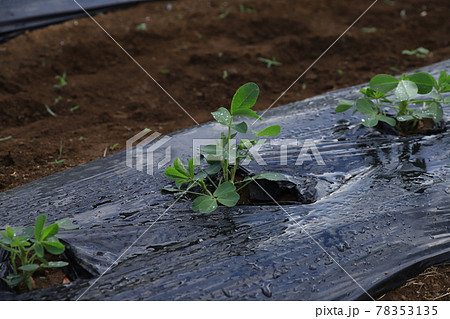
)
(57, 100)
(340, 72)
(389, 2)
(164, 71)
(270, 62)
(243, 9)
(368, 30)
(224, 74)
(225, 14)
(141, 27)
(394, 69)
(28, 246)
(5, 138)
(113, 147)
(49, 110)
(418, 53)
(62, 81)
(81, 138)
(59, 161)
(74, 108)
(61, 147)
(304, 86)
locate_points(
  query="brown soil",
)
(45, 277)
(433, 284)
(187, 48)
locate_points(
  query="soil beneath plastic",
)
(200, 52)
(46, 277)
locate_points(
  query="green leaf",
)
(222, 116)
(55, 264)
(241, 127)
(435, 95)
(247, 113)
(39, 226)
(383, 83)
(224, 188)
(9, 232)
(370, 121)
(245, 97)
(191, 168)
(389, 120)
(204, 204)
(13, 280)
(442, 78)
(272, 176)
(406, 90)
(30, 267)
(366, 106)
(405, 118)
(178, 165)
(50, 231)
(436, 111)
(28, 233)
(53, 247)
(269, 131)
(171, 190)
(39, 249)
(419, 114)
(172, 173)
(424, 82)
(213, 168)
(210, 149)
(66, 224)
(344, 105)
(229, 199)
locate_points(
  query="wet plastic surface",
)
(16, 16)
(382, 212)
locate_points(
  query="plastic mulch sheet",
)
(381, 213)
(17, 16)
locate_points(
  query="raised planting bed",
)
(381, 211)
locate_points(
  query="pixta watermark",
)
(148, 152)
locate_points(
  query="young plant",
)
(270, 62)
(62, 81)
(418, 53)
(28, 246)
(219, 183)
(387, 92)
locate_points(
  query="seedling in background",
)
(57, 100)
(368, 30)
(28, 246)
(61, 147)
(62, 81)
(270, 62)
(225, 74)
(141, 27)
(5, 138)
(59, 161)
(243, 9)
(74, 108)
(217, 183)
(225, 14)
(387, 92)
(418, 53)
